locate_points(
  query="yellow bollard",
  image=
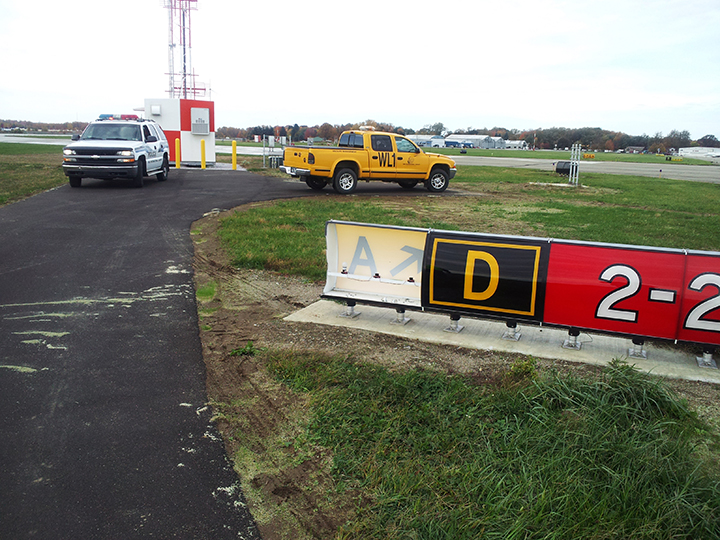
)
(177, 153)
(202, 153)
(234, 158)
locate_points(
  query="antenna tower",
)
(182, 77)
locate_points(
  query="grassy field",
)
(441, 456)
(289, 236)
(28, 169)
(534, 455)
(565, 155)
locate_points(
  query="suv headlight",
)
(127, 156)
(67, 152)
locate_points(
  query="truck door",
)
(382, 157)
(412, 163)
(154, 157)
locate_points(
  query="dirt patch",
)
(288, 482)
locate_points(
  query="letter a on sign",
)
(358, 260)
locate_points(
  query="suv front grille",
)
(96, 151)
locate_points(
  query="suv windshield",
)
(112, 132)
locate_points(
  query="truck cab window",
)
(381, 143)
(403, 145)
(353, 140)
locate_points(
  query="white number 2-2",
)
(694, 320)
(606, 308)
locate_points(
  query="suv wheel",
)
(140, 176)
(163, 174)
(75, 181)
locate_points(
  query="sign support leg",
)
(638, 351)
(513, 332)
(400, 318)
(572, 342)
(350, 312)
(707, 358)
(454, 327)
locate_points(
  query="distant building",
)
(480, 141)
(698, 151)
(516, 145)
(634, 149)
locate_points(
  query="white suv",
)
(125, 148)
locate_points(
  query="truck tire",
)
(139, 180)
(438, 181)
(163, 174)
(315, 183)
(345, 181)
(75, 181)
(408, 184)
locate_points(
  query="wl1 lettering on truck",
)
(368, 155)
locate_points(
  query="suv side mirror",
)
(75, 137)
(152, 138)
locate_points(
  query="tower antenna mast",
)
(182, 80)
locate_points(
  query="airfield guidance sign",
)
(632, 290)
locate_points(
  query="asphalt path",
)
(104, 430)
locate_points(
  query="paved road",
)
(104, 429)
(104, 432)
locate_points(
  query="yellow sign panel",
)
(588, 156)
(374, 263)
(484, 276)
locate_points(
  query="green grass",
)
(28, 169)
(206, 292)
(289, 236)
(535, 457)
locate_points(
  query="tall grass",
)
(538, 457)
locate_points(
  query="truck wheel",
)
(75, 181)
(438, 181)
(345, 181)
(163, 174)
(139, 180)
(315, 183)
(408, 184)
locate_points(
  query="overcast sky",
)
(626, 65)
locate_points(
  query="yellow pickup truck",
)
(368, 155)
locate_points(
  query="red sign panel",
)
(614, 289)
(700, 308)
(638, 291)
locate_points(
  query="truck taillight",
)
(311, 158)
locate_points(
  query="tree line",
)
(548, 138)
